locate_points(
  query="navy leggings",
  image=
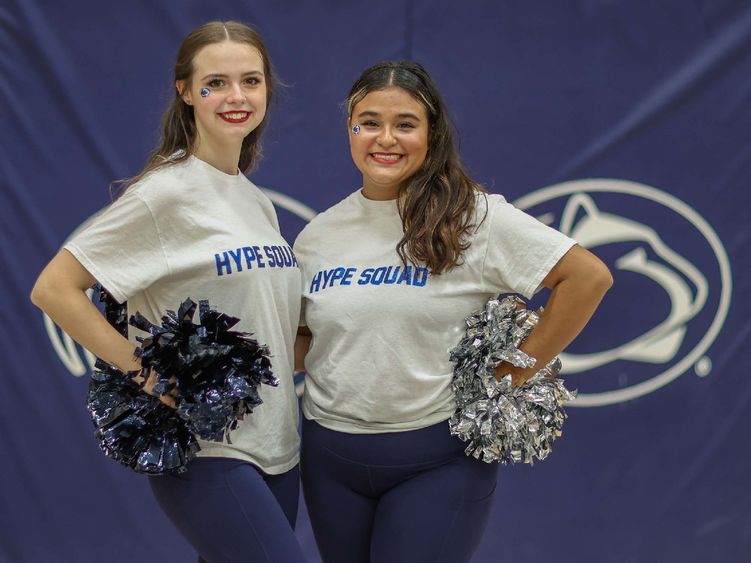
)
(409, 497)
(230, 511)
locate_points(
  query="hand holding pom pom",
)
(215, 371)
(203, 379)
(149, 386)
(502, 421)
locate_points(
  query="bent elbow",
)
(41, 293)
(36, 295)
(602, 279)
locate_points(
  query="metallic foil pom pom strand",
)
(500, 422)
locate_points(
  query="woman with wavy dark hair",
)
(389, 275)
(191, 225)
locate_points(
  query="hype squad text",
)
(386, 275)
(249, 257)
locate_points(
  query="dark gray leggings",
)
(411, 497)
(230, 511)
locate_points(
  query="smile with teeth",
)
(385, 157)
(235, 116)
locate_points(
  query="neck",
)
(224, 157)
(380, 193)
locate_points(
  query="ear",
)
(183, 91)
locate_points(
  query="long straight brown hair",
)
(178, 126)
(437, 204)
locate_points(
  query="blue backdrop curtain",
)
(623, 123)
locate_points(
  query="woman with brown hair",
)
(192, 225)
(389, 275)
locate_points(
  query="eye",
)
(215, 83)
(369, 123)
(406, 125)
(253, 81)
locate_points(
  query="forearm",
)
(570, 306)
(82, 321)
(578, 283)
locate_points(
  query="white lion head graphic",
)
(673, 273)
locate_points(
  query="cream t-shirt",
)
(190, 230)
(379, 356)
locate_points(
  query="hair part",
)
(178, 124)
(437, 204)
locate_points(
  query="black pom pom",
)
(213, 374)
(134, 428)
(215, 371)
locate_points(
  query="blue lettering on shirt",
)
(253, 256)
(269, 256)
(315, 285)
(222, 264)
(406, 276)
(348, 276)
(249, 256)
(327, 274)
(421, 277)
(259, 258)
(236, 257)
(365, 276)
(381, 275)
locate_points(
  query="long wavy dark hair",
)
(178, 125)
(437, 204)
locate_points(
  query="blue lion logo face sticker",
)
(671, 293)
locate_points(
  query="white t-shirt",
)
(192, 231)
(379, 356)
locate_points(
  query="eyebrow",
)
(369, 113)
(220, 75)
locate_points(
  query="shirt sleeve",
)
(521, 250)
(121, 247)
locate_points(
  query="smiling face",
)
(236, 104)
(392, 142)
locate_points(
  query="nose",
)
(386, 138)
(236, 94)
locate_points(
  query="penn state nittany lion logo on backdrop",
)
(672, 286)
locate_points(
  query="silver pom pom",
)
(500, 422)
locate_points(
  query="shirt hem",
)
(350, 427)
(274, 469)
